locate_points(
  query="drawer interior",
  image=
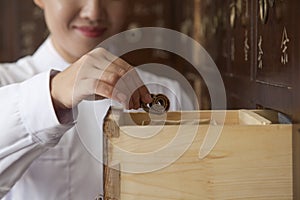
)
(214, 117)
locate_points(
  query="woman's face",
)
(77, 26)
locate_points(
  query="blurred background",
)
(253, 42)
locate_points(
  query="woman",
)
(41, 152)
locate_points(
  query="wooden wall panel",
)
(270, 78)
(273, 63)
(22, 29)
(274, 36)
(240, 54)
(296, 102)
(7, 40)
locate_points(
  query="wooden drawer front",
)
(249, 161)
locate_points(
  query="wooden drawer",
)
(252, 158)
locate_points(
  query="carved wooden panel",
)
(275, 37)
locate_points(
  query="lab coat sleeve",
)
(28, 127)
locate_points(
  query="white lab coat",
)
(41, 158)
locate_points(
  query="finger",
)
(114, 65)
(102, 70)
(110, 58)
(115, 83)
(106, 65)
(145, 94)
(94, 88)
(131, 91)
(118, 61)
(110, 78)
(143, 90)
(135, 99)
(108, 91)
(122, 85)
(100, 64)
(135, 83)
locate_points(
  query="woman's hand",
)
(98, 75)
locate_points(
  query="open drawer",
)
(157, 157)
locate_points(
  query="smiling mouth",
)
(92, 32)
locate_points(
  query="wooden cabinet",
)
(240, 48)
(296, 107)
(149, 14)
(22, 29)
(259, 64)
(269, 77)
(252, 43)
(274, 39)
(273, 67)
